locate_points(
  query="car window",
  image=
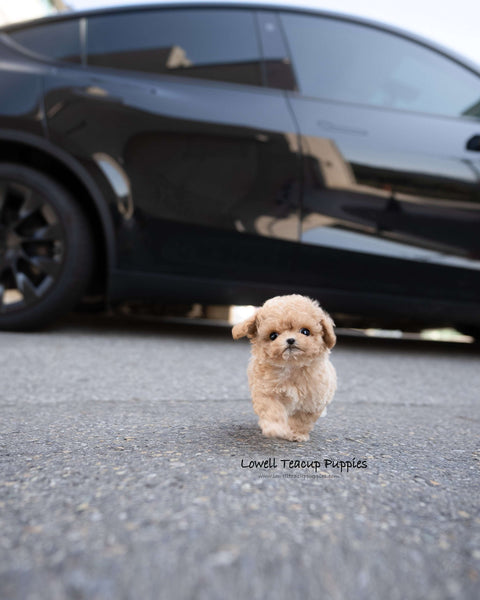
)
(209, 44)
(276, 59)
(60, 41)
(348, 62)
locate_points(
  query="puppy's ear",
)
(329, 336)
(246, 328)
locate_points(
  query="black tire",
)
(46, 249)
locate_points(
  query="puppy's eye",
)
(273, 336)
(305, 331)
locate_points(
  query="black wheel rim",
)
(32, 246)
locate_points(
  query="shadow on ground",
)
(186, 328)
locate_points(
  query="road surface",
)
(132, 466)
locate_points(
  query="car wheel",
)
(46, 249)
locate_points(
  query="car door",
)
(204, 159)
(391, 163)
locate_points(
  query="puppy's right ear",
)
(246, 328)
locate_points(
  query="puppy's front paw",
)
(278, 430)
(275, 430)
(299, 437)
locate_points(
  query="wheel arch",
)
(41, 155)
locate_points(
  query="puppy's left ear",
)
(329, 336)
(246, 328)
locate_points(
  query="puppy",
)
(290, 375)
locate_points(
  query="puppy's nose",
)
(291, 341)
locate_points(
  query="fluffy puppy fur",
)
(291, 377)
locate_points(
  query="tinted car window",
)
(354, 63)
(209, 44)
(276, 59)
(59, 41)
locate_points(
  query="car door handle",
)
(474, 143)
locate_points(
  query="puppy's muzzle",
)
(291, 347)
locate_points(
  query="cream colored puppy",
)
(291, 377)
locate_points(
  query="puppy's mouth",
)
(291, 350)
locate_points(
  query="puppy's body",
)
(291, 377)
(289, 400)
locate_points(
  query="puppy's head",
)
(288, 328)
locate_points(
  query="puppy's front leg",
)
(301, 424)
(272, 418)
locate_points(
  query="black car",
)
(227, 153)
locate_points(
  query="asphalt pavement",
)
(132, 467)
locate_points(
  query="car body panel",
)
(21, 105)
(379, 183)
(194, 190)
